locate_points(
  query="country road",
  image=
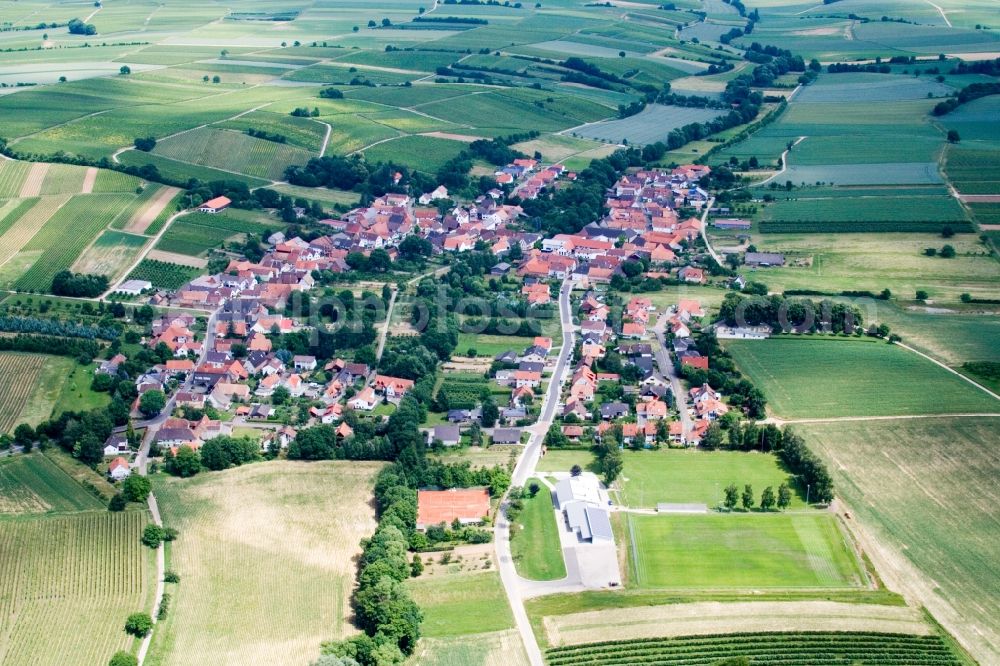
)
(513, 584)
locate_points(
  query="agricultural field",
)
(535, 544)
(236, 526)
(717, 551)
(110, 254)
(197, 233)
(18, 374)
(972, 170)
(163, 274)
(33, 484)
(33, 386)
(651, 125)
(684, 477)
(806, 213)
(810, 377)
(422, 153)
(835, 648)
(182, 171)
(451, 603)
(232, 151)
(925, 492)
(70, 581)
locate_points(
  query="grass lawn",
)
(691, 476)
(740, 551)
(491, 345)
(556, 460)
(477, 456)
(926, 491)
(817, 378)
(460, 604)
(535, 544)
(76, 395)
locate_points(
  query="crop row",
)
(12, 175)
(66, 234)
(814, 226)
(163, 273)
(196, 233)
(770, 648)
(17, 380)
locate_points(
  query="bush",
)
(122, 658)
(170, 576)
(139, 624)
(136, 488)
(118, 503)
(152, 536)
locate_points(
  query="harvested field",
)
(175, 258)
(271, 543)
(707, 618)
(145, 216)
(88, 180)
(32, 186)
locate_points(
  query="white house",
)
(119, 469)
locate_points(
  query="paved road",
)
(514, 585)
(667, 370)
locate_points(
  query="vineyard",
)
(115, 181)
(974, 171)
(111, 253)
(63, 179)
(34, 484)
(864, 214)
(12, 176)
(65, 235)
(867, 226)
(788, 649)
(163, 273)
(69, 582)
(464, 391)
(302, 132)
(12, 210)
(18, 373)
(125, 215)
(197, 233)
(28, 224)
(233, 151)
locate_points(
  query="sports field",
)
(818, 378)
(699, 477)
(265, 560)
(926, 492)
(718, 551)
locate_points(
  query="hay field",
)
(266, 560)
(926, 492)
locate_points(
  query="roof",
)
(510, 435)
(217, 202)
(444, 506)
(447, 433)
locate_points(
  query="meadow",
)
(491, 345)
(69, 583)
(926, 493)
(271, 543)
(452, 603)
(811, 377)
(535, 544)
(692, 476)
(717, 551)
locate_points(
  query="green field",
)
(926, 491)
(233, 151)
(691, 476)
(423, 153)
(491, 345)
(817, 378)
(32, 484)
(163, 274)
(864, 214)
(182, 171)
(453, 604)
(535, 539)
(817, 648)
(197, 233)
(718, 551)
(272, 542)
(34, 387)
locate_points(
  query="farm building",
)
(467, 505)
(585, 507)
(732, 223)
(119, 469)
(215, 205)
(764, 259)
(134, 287)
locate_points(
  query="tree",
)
(145, 144)
(386, 23)
(124, 70)
(947, 231)
(372, 24)
(118, 502)
(416, 566)
(713, 438)
(490, 413)
(947, 252)
(281, 395)
(186, 463)
(784, 496)
(123, 659)
(152, 536)
(611, 464)
(139, 624)
(24, 435)
(136, 488)
(747, 497)
(216, 79)
(575, 470)
(732, 494)
(953, 136)
(152, 403)
(921, 295)
(767, 500)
